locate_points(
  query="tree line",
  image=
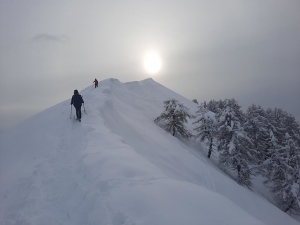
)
(257, 142)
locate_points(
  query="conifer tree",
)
(283, 175)
(215, 106)
(207, 130)
(276, 123)
(174, 117)
(256, 126)
(292, 127)
(195, 100)
(236, 151)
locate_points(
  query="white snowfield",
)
(117, 167)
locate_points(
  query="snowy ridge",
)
(117, 167)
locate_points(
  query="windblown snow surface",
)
(118, 167)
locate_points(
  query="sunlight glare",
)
(152, 63)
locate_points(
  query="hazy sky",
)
(247, 50)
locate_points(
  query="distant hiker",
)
(77, 102)
(96, 82)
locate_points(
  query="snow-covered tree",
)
(174, 117)
(292, 127)
(276, 123)
(236, 148)
(195, 100)
(207, 129)
(267, 141)
(256, 126)
(282, 171)
(215, 106)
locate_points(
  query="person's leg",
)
(77, 113)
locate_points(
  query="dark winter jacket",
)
(77, 100)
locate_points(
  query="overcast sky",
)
(247, 50)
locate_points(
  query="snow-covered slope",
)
(117, 167)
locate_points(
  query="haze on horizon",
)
(249, 51)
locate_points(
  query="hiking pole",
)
(84, 109)
(71, 112)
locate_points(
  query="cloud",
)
(50, 38)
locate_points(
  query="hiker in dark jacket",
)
(77, 102)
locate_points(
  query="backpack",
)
(77, 100)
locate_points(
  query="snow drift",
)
(117, 167)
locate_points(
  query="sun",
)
(152, 62)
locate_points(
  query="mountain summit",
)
(118, 167)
